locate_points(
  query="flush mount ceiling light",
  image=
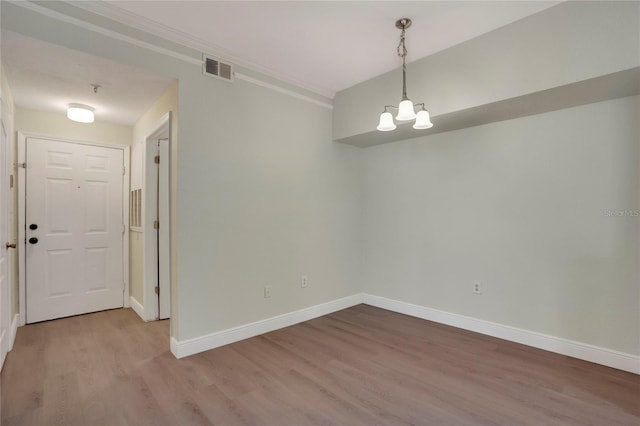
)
(406, 109)
(80, 113)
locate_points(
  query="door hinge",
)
(156, 159)
(123, 228)
(10, 181)
(124, 170)
(156, 224)
(21, 165)
(157, 290)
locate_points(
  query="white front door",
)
(74, 229)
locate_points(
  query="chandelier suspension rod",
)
(402, 52)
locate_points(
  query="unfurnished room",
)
(300, 213)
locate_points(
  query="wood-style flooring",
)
(359, 366)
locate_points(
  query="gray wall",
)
(542, 210)
(263, 195)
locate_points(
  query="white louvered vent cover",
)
(215, 68)
(135, 220)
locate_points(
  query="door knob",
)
(10, 245)
(33, 240)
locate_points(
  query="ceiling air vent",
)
(216, 68)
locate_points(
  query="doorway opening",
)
(156, 221)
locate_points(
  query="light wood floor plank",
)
(359, 366)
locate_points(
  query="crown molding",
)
(291, 93)
(101, 30)
(115, 13)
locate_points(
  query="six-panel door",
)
(74, 221)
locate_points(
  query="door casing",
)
(6, 337)
(156, 251)
(22, 265)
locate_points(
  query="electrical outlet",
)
(477, 288)
(304, 282)
(267, 291)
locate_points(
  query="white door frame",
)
(6, 339)
(153, 194)
(22, 263)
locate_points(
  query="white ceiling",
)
(47, 77)
(326, 46)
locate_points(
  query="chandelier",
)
(406, 109)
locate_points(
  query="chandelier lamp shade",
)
(406, 109)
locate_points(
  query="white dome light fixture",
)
(406, 108)
(80, 113)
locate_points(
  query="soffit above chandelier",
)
(406, 108)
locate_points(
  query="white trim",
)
(103, 31)
(4, 335)
(138, 308)
(279, 89)
(7, 338)
(14, 330)
(181, 349)
(126, 188)
(22, 264)
(22, 252)
(599, 355)
(6, 282)
(142, 24)
(150, 261)
(33, 135)
(175, 350)
(591, 353)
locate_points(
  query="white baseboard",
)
(14, 330)
(4, 336)
(7, 338)
(584, 351)
(137, 308)
(183, 348)
(599, 355)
